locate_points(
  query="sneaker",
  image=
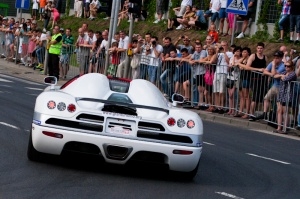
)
(280, 40)
(44, 30)
(241, 35)
(157, 21)
(106, 18)
(216, 111)
(179, 27)
(297, 42)
(291, 41)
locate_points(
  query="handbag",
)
(134, 62)
(209, 77)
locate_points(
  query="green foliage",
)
(262, 20)
(276, 31)
(67, 11)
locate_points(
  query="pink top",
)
(56, 14)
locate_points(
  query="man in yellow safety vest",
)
(55, 45)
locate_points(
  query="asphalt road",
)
(236, 163)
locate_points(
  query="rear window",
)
(119, 97)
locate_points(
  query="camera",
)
(221, 49)
(153, 43)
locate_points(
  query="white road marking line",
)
(228, 195)
(9, 125)
(4, 80)
(37, 89)
(20, 80)
(282, 162)
(209, 143)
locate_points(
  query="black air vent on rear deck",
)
(151, 126)
(90, 118)
(164, 137)
(75, 125)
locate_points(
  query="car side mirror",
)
(50, 80)
(177, 99)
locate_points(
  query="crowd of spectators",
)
(212, 72)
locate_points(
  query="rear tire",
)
(187, 176)
(32, 153)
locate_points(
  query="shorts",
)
(203, 26)
(200, 80)
(245, 84)
(184, 77)
(34, 12)
(87, 7)
(271, 94)
(213, 16)
(219, 83)
(64, 59)
(222, 13)
(289, 104)
(112, 69)
(246, 17)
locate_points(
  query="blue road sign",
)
(23, 4)
(239, 7)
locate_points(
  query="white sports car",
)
(117, 119)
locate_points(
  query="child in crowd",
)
(56, 15)
(115, 59)
(213, 33)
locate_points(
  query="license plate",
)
(120, 126)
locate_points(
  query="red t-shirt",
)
(214, 35)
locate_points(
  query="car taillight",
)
(182, 152)
(190, 124)
(61, 106)
(171, 121)
(51, 134)
(180, 123)
(51, 104)
(71, 108)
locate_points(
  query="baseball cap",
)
(278, 54)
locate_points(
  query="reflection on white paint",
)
(229, 195)
(4, 80)
(254, 155)
(37, 89)
(9, 125)
(209, 143)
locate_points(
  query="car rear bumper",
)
(53, 145)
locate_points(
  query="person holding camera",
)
(186, 44)
(155, 61)
(219, 83)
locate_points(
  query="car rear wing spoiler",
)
(122, 104)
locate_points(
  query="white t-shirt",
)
(104, 44)
(123, 43)
(215, 5)
(222, 65)
(35, 4)
(153, 60)
(97, 3)
(87, 1)
(223, 3)
(186, 3)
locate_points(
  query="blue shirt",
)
(201, 17)
(279, 69)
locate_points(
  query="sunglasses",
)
(288, 66)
